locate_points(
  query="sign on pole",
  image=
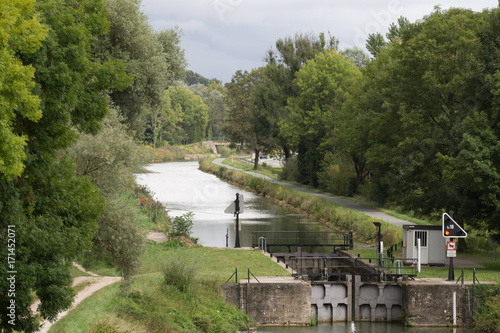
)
(451, 249)
(232, 207)
(451, 229)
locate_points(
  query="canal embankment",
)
(319, 206)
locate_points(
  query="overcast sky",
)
(223, 36)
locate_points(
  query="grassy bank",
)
(151, 303)
(321, 209)
(176, 290)
(175, 153)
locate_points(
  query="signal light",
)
(451, 228)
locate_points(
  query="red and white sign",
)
(451, 249)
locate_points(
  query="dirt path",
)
(342, 202)
(95, 283)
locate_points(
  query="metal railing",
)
(333, 268)
(303, 239)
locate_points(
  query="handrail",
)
(236, 278)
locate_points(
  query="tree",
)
(250, 117)
(194, 113)
(213, 97)
(20, 32)
(283, 62)
(356, 55)
(440, 151)
(323, 85)
(154, 60)
(54, 212)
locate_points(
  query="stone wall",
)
(272, 303)
(432, 304)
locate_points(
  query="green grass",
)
(491, 272)
(149, 303)
(75, 272)
(98, 306)
(217, 264)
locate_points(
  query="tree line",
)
(415, 124)
(78, 80)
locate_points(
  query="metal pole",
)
(451, 272)
(237, 213)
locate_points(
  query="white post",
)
(418, 255)
(454, 308)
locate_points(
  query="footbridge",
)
(214, 144)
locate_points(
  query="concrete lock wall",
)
(438, 301)
(272, 303)
(377, 301)
(332, 302)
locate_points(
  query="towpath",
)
(94, 283)
(342, 202)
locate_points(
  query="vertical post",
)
(237, 213)
(451, 271)
(419, 256)
(454, 308)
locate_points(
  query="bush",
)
(290, 170)
(181, 226)
(103, 327)
(337, 176)
(181, 272)
(487, 318)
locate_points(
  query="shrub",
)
(290, 170)
(181, 226)
(181, 271)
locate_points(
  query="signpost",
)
(451, 249)
(236, 207)
(451, 230)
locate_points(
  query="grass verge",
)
(148, 304)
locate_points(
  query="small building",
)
(432, 243)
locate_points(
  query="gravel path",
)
(96, 283)
(342, 202)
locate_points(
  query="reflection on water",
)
(361, 327)
(183, 188)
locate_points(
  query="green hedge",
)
(322, 209)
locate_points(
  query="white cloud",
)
(222, 36)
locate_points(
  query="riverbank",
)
(308, 202)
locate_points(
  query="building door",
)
(424, 250)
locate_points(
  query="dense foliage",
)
(416, 126)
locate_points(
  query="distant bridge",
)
(213, 145)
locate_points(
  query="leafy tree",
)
(250, 117)
(375, 43)
(356, 55)
(283, 62)
(213, 96)
(192, 78)
(53, 211)
(154, 60)
(194, 113)
(435, 145)
(20, 32)
(323, 85)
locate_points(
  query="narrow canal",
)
(183, 188)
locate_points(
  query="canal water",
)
(183, 188)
